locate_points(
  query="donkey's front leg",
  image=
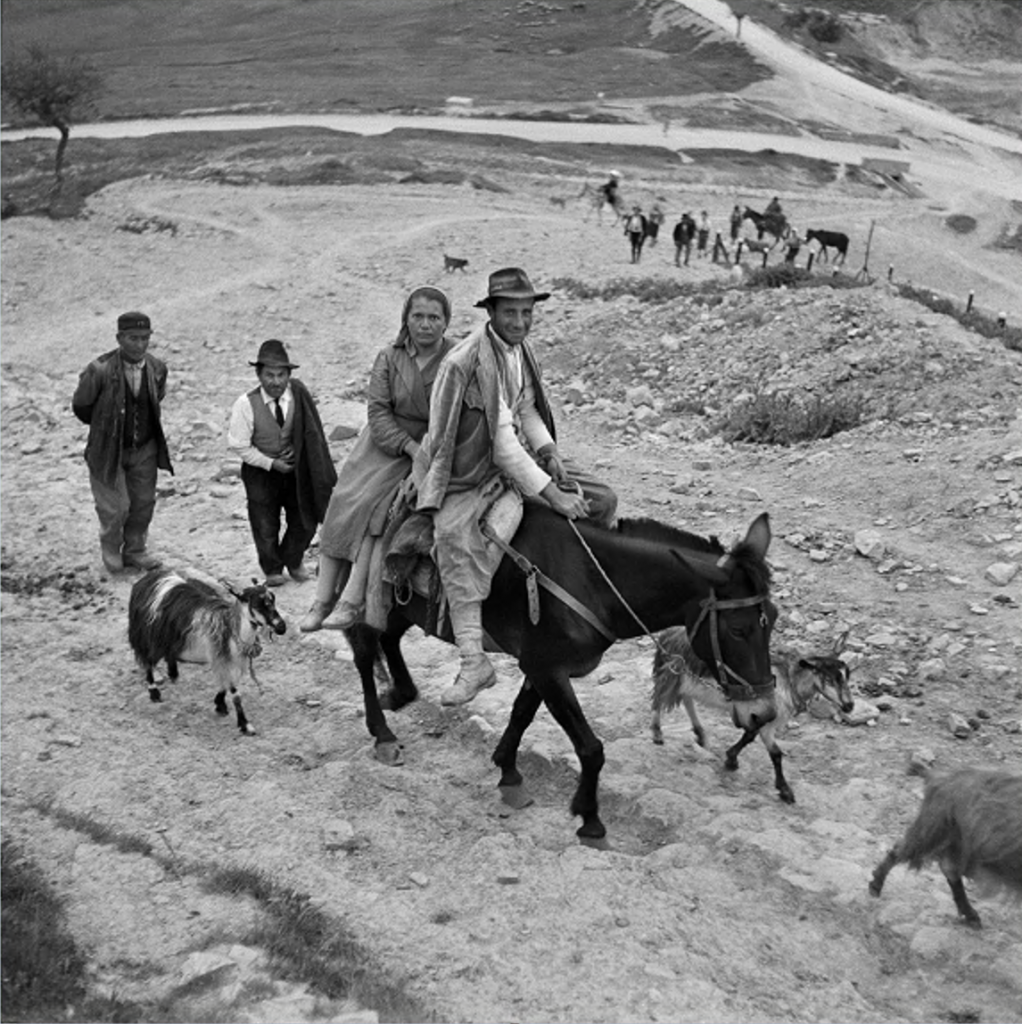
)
(365, 646)
(559, 696)
(505, 757)
(784, 791)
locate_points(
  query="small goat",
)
(680, 677)
(178, 618)
(453, 263)
(970, 822)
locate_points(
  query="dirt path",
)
(712, 901)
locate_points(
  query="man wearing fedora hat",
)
(119, 396)
(490, 418)
(285, 463)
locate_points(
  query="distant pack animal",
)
(829, 240)
(754, 245)
(177, 618)
(775, 224)
(681, 677)
(970, 822)
(453, 263)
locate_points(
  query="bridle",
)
(732, 683)
(735, 686)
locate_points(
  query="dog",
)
(452, 263)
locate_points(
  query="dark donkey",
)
(829, 240)
(641, 577)
(775, 224)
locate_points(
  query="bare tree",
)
(56, 92)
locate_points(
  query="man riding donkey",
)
(490, 427)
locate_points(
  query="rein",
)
(734, 685)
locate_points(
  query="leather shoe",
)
(314, 617)
(300, 574)
(347, 614)
(112, 560)
(142, 560)
(275, 579)
(476, 675)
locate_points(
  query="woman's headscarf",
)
(425, 292)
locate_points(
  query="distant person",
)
(684, 232)
(791, 246)
(398, 414)
(736, 223)
(655, 219)
(286, 465)
(611, 195)
(773, 208)
(118, 396)
(635, 229)
(703, 234)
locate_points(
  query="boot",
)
(476, 672)
(326, 594)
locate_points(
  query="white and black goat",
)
(970, 822)
(680, 677)
(178, 618)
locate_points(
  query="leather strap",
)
(533, 575)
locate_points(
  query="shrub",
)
(645, 289)
(783, 275)
(961, 223)
(824, 27)
(987, 326)
(783, 418)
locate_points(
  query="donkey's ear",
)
(758, 537)
(715, 575)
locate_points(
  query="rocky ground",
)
(711, 901)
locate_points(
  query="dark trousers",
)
(636, 238)
(270, 493)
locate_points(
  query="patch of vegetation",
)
(646, 289)
(987, 326)
(961, 223)
(139, 225)
(821, 25)
(783, 418)
(1008, 239)
(307, 944)
(304, 943)
(44, 971)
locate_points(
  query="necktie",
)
(278, 413)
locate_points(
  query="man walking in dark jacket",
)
(119, 396)
(285, 463)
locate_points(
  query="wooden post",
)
(809, 262)
(1002, 320)
(738, 251)
(890, 272)
(968, 305)
(766, 256)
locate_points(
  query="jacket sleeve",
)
(387, 434)
(90, 383)
(432, 467)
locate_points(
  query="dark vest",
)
(267, 437)
(138, 414)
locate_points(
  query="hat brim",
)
(267, 362)
(538, 296)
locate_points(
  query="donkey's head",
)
(730, 628)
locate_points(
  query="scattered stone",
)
(922, 758)
(342, 432)
(421, 880)
(958, 726)
(978, 609)
(1001, 573)
(933, 668)
(749, 494)
(869, 544)
(863, 713)
(339, 835)
(508, 878)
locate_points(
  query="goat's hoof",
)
(154, 696)
(389, 754)
(248, 730)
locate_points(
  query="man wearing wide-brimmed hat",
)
(119, 396)
(285, 463)
(490, 419)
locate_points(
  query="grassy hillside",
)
(328, 55)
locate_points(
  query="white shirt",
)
(239, 433)
(517, 415)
